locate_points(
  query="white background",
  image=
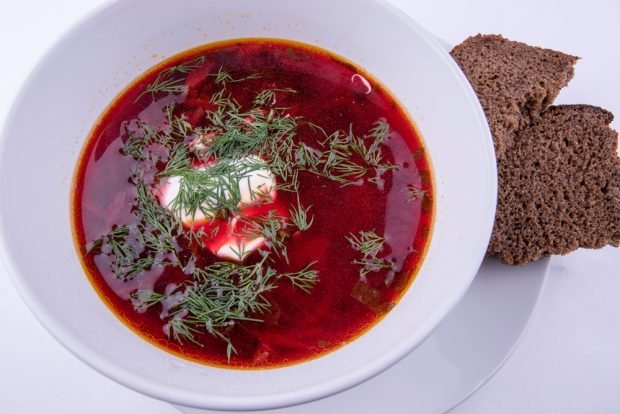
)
(569, 360)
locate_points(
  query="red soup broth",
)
(329, 92)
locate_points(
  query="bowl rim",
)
(190, 399)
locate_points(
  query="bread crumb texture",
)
(559, 172)
(514, 82)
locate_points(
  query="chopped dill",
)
(221, 295)
(268, 97)
(307, 157)
(415, 193)
(221, 77)
(166, 80)
(347, 158)
(299, 217)
(304, 279)
(369, 244)
(144, 299)
(216, 297)
(272, 227)
(211, 191)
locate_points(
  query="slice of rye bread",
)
(559, 186)
(515, 82)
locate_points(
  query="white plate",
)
(466, 350)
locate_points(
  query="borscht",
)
(253, 203)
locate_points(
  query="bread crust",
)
(515, 82)
(558, 168)
(559, 186)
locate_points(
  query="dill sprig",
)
(214, 190)
(155, 219)
(178, 127)
(377, 135)
(299, 216)
(180, 330)
(251, 132)
(271, 134)
(179, 159)
(166, 80)
(214, 298)
(272, 227)
(415, 193)
(134, 146)
(347, 158)
(222, 77)
(127, 263)
(292, 185)
(304, 279)
(123, 253)
(138, 139)
(137, 248)
(144, 299)
(307, 157)
(268, 97)
(369, 244)
(222, 295)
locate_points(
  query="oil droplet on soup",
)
(252, 204)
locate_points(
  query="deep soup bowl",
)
(93, 62)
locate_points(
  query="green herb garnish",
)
(233, 143)
(272, 227)
(415, 193)
(214, 190)
(168, 80)
(299, 216)
(221, 295)
(221, 77)
(370, 244)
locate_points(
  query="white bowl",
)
(85, 70)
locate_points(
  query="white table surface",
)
(569, 360)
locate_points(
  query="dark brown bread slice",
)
(559, 186)
(515, 82)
